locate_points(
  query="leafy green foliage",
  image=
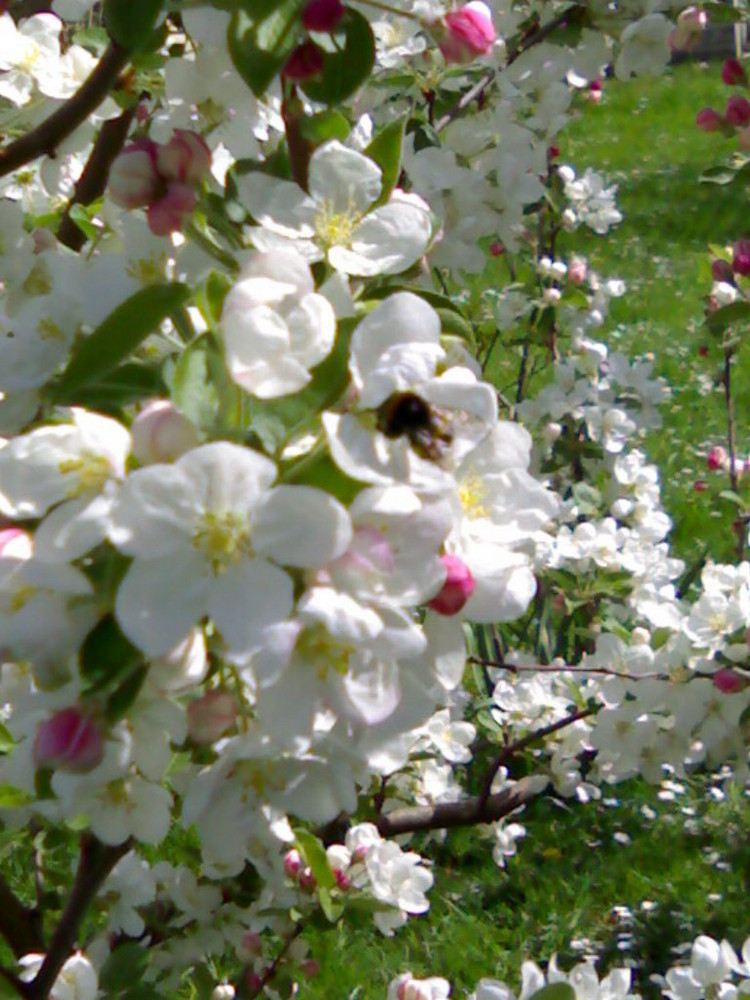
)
(261, 37)
(347, 65)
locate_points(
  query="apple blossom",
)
(466, 33)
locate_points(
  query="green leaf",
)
(332, 908)
(124, 966)
(124, 696)
(6, 740)
(718, 175)
(192, 386)
(106, 655)
(720, 319)
(13, 798)
(452, 323)
(345, 69)
(118, 336)
(555, 991)
(130, 24)
(385, 150)
(314, 854)
(732, 497)
(260, 38)
(324, 126)
(129, 383)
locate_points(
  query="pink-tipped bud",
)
(553, 151)
(209, 717)
(305, 63)
(458, 587)
(134, 181)
(185, 158)
(730, 681)
(292, 864)
(15, 544)
(69, 741)
(307, 881)
(254, 983)
(496, 249)
(700, 485)
(322, 15)
(595, 92)
(309, 968)
(709, 120)
(733, 73)
(577, 270)
(342, 880)
(690, 25)
(717, 458)
(161, 433)
(170, 213)
(741, 257)
(737, 111)
(465, 34)
(361, 852)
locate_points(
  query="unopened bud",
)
(309, 968)
(717, 458)
(307, 881)
(700, 485)
(741, 257)
(292, 863)
(730, 681)
(551, 432)
(733, 73)
(170, 212)
(577, 270)
(458, 587)
(254, 983)
(709, 120)
(224, 991)
(15, 544)
(252, 944)
(465, 34)
(209, 717)
(161, 433)
(134, 181)
(737, 111)
(185, 158)
(69, 741)
(595, 92)
(305, 63)
(721, 270)
(322, 15)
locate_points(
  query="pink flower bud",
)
(69, 741)
(709, 120)
(458, 587)
(577, 270)
(743, 139)
(305, 63)
(15, 544)
(309, 968)
(185, 158)
(690, 25)
(466, 33)
(595, 92)
(209, 717)
(733, 73)
(161, 433)
(292, 863)
(737, 111)
(307, 881)
(496, 249)
(342, 880)
(252, 944)
(170, 212)
(133, 178)
(741, 257)
(730, 681)
(717, 458)
(322, 15)
(254, 983)
(700, 485)
(553, 151)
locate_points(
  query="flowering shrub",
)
(276, 559)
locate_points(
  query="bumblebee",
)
(405, 414)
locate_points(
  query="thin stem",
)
(551, 668)
(739, 524)
(270, 972)
(47, 136)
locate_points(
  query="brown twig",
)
(465, 812)
(96, 862)
(270, 972)
(47, 136)
(551, 668)
(93, 181)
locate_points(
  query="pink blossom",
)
(304, 63)
(170, 212)
(292, 863)
(209, 717)
(733, 73)
(185, 158)
(69, 741)
(458, 587)
(717, 458)
(466, 33)
(737, 111)
(741, 257)
(133, 178)
(709, 120)
(161, 433)
(729, 681)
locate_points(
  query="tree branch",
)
(47, 136)
(93, 181)
(465, 812)
(96, 862)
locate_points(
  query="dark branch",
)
(96, 862)
(93, 181)
(465, 812)
(47, 136)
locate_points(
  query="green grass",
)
(693, 860)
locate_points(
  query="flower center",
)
(334, 228)
(472, 491)
(324, 653)
(89, 472)
(21, 597)
(223, 538)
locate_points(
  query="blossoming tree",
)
(276, 560)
